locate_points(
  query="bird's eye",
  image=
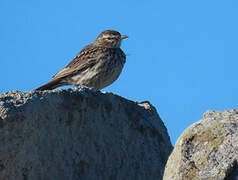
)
(110, 38)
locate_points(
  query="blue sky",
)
(181, 55)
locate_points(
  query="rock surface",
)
(207, 150)
(69, 135)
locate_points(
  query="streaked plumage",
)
(97, 65)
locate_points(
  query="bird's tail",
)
(51, 85)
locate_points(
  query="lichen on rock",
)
(207, 149)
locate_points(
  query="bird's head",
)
(110, 39)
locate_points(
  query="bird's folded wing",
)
(70, 71)
(86, 59)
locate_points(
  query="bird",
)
(96, 66)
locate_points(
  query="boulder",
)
(80, 134)
(206, 150)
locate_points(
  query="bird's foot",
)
(80, 88)
(85, 88)
(94, 89)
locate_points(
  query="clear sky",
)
(181, 55)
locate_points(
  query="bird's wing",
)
(87, 58)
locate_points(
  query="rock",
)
(206, 150)
(70, 134)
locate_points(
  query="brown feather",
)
(51, 85)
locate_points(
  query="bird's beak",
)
(124, 36)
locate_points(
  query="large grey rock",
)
(69, 135)
(208, 150)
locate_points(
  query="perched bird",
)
(96, 66)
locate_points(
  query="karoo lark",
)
(96, 66)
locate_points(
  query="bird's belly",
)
(110, 77)
(98, 77)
